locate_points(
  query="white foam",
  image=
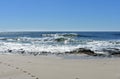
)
(35, 48)
(97, 46)
(59, 34)
(42, 44)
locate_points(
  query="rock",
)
(112, 51)
(85, 51)
(9, 50)
(35, 53)
(43, 53)
(100, 55)
(82, 51)
(22, 52)
(59, 53)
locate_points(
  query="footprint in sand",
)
(29, 74)
(9, 65)
(17, 67)
(32, 76)
(25, 71)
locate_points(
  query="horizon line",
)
(62, 31)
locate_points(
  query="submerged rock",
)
(85, 51)
(108, 52)
(9, 50)
(82, 51)
(112, 51)
(35, 53)
(22, 52)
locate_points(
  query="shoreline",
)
(46, 67)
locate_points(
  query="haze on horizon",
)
(59, 15)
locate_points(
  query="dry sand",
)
(41, 67)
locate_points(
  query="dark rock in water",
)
(21, 49)
(9, 50)
(82, 51)
(30, 53)
(59, 53)
(85, 51)
(112, 51)
(117, 42)
(44, 53)
(99, 55)
(35, 53)
(22, 52)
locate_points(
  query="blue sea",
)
(57, 42)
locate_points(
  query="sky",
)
(59, 15)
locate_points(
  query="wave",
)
(99, 47)
(60, 39)
(16, 47)
(65, 35)
(60, 34)
(49, 37)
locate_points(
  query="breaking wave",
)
(55, 44)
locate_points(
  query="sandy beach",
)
(44, 67)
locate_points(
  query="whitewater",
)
(57, 42)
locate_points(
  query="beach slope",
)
(44, 67)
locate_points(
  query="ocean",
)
(57, 42)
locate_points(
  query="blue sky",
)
(59, 15)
